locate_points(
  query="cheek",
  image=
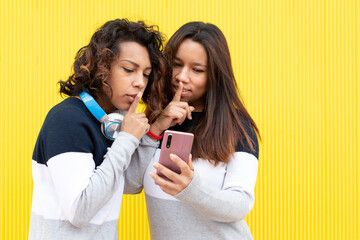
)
(146, 82)
(106, 90)
(201, 87)
(201, 83)
(175, 72)
(118, 83)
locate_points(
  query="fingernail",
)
(155, 165)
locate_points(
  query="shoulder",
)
(243, 145)
(69, 116)
(69, 109)
(68, 127)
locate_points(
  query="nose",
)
(182, 75)
(140, 81)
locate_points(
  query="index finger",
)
(180, 163)
(135, 103)
(168, 173)
(177, 95)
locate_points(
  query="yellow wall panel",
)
(296, 62)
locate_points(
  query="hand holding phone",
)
(179, 143)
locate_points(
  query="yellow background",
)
(296, 62)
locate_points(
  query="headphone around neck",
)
(110, 124)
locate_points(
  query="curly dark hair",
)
(92, 62)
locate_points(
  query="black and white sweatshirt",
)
(78, 175)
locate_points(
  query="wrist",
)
(155, 129)
(155, 136)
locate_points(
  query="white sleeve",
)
(84, 190)
(134, 174)
(234, 200)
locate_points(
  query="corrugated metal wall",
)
(296, 62)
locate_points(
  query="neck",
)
(106, 105)
(199, 106)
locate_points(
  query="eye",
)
(146, 75)
(198, 70)
(177, 64)
(128, 70)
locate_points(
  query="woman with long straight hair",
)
(214, 192)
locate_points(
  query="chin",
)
(125, 107)
(185, 99)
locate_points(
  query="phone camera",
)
(168, 143)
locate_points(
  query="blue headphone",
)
(110, 124)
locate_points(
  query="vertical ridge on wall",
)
(357, 78)
(2, 127)
(296, 64)
(357, 139)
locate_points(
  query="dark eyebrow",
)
(133, 63)
(196, 64)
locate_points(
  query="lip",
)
(131, 97)
(184, 91)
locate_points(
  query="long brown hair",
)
(92, 62)
(222, 123)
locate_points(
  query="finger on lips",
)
(135, 103)
(177, 95)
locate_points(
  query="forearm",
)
(226, 205)
(140, 160)
(83, 190)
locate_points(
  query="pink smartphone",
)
(178, 143)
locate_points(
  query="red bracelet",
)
(157, 137)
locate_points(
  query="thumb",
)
(190, 162)
(191, 108)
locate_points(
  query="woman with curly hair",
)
(85, 144)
